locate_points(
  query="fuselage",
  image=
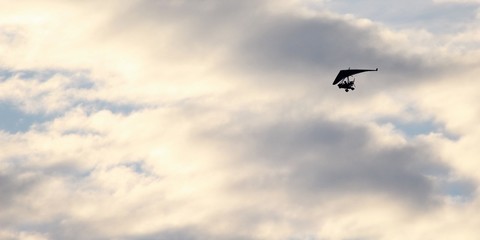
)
(346, 85)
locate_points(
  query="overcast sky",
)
(217, 119)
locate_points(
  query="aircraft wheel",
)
(346, 90)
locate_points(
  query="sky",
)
(217, 119)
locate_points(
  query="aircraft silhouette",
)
(343, 78)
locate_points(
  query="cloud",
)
(456, 1)
(21, 235)
(312, 47)
(434, 16)
(316, 158)
(45, 91)
(217, 119)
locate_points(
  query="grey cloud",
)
(328, 159)
(273, 45)
(187, 233)
(423, 14)
(315, 46)
(77, 230)
(13, 184)
(20, 210)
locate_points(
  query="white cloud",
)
(218, 120)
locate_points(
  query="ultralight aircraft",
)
(343, 78)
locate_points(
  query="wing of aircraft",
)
(349, 72)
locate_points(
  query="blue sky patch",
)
(414, 128)
(13, 120)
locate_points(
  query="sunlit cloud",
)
(218, 120)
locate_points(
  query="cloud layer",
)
(217, 120)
